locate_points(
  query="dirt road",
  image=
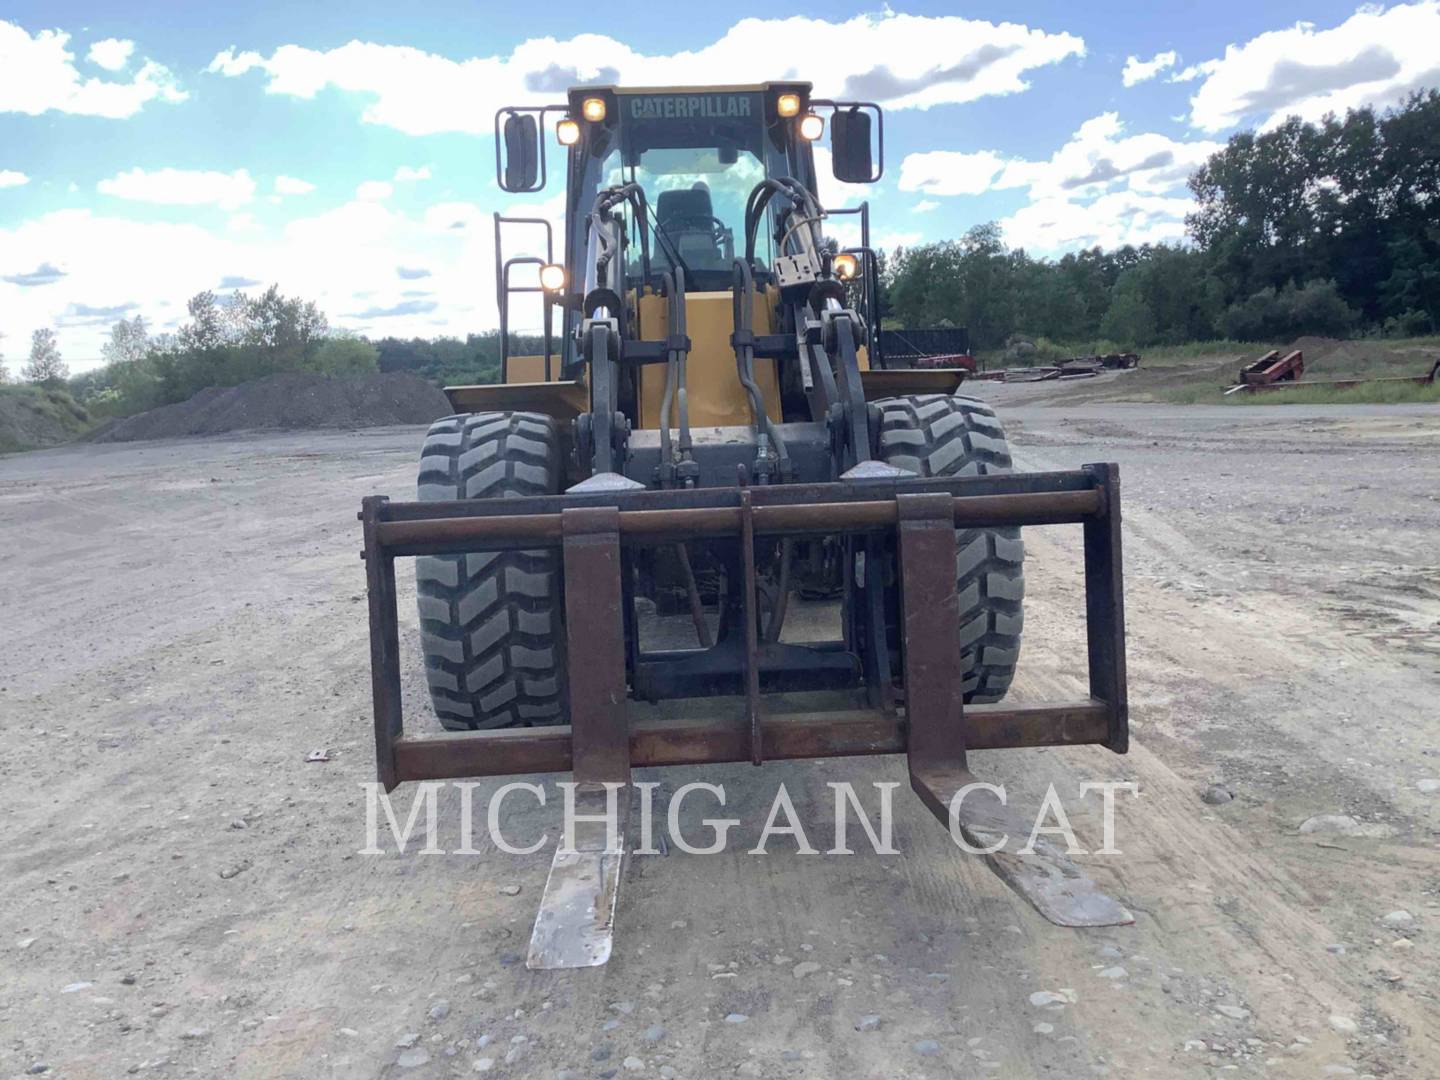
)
(181, 892)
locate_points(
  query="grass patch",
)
(1376, 393)
(33, 417)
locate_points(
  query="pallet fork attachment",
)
(931, 726)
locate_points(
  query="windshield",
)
(697, 156)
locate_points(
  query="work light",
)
(568, 132)
(811, 127)
(788, 105)
(552, 277)
(845, 265)
(593, 109)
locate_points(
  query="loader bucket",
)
(924, 718)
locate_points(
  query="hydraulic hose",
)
(743, 312)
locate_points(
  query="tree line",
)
(1325, 228)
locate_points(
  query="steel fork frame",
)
(599, 744)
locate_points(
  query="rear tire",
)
(940, 435)
(490, 623)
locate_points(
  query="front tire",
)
(941, 435)
(491, 622)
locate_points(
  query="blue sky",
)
(343, 151)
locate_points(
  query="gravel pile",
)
(289, 400)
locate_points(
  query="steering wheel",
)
(718, 230)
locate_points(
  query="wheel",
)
(940, 435)
(491, 624)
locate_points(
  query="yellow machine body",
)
(712, 385)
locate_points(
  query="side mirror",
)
(850, 147)
(522, 153)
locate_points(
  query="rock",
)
(736, 1018)
(509, 890)
(510, 959)
(1343, 1024)
(76, 987)
(1337, 948)
(127, 980)
(1234, 1012)
(600, 1053)
(633, 1064)
(1110, 952)
(667, 1072)
(1399, 918)
(807, 967)
(439, 1011)
(654, 1033)
(236, 870)
(483, 1064)
(1402, 943)
(1342, 825)
(24, 943)
(610, 1025)
(1337, 1070)
(1217, 795)
(406, 1041)
(1428, 786)
(869, 1022)
(1114, 973)
(927, 1048)
(196, 1034)
(624, 1008)
(1044, 997)
(37, 1068)
(1043, 1028)
(413, 1058)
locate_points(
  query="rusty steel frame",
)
(601, 745)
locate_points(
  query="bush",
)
(1268, 315)
(346, 355)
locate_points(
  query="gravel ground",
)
(181, 893)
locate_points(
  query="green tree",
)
(346, 354)
(1129, 320)
(129, 342)
(45, 368)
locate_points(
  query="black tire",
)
(491, 624)
(940, 435)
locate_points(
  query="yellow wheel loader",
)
(714, 429)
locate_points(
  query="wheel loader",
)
(710, 429)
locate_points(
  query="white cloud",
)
(112, 54)
(407, 173)
(924, 206)
(38, 74)
(181, 187)
(903, 61)
(950, 172)
(1103, 186)
(289, 185)
(375, 190)
(345, 259)
(11, 178)
(1375, 57)
(1055, 225)
(1138, 71)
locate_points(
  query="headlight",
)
(568, 132)
(552, 277)
(811, 127)
(845, 266)
(593, 109)
(788, 105)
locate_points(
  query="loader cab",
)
(697, 154)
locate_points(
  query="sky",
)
(344, 151)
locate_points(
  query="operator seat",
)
(688, 218)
